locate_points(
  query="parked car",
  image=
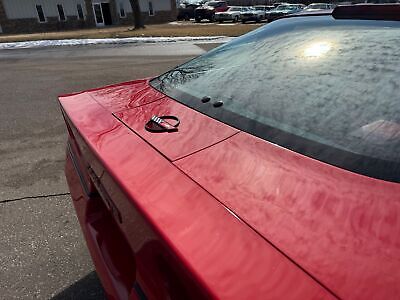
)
(276, 4)
(252, 14)
(208, 10)
(186, 10)
(264, 8)
(283, 10)
(232, 14)
(319, 6)
(382, 1)
(267, 168)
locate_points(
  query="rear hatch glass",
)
(325, 88)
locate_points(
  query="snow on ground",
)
(131, 40)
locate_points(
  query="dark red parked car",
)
(267, 168)
(207, 10)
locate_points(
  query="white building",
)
(21, 16)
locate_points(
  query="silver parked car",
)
(265, 8)
(232, 14)
(283, 10)
(253, 14)
(319, 6)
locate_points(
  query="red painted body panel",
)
(196, 130)
(339, 226)
(155, 226)
(126, 95)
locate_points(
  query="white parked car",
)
(319, 6)
(232, 14)
(252, 14)
(265, 8)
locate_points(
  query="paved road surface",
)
(42, 253)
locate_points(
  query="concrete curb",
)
(131, 40)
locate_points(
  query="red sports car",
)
(267, 168)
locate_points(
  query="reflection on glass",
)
(317, 49)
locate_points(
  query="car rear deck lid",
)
(195, 132)
(387, 12)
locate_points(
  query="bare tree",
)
(137, 14)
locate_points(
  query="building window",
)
(80, 11)
(61, 13)
(151, 11)
(122, 13)
(98, 13)
(39, 10)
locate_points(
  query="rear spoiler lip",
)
(147, 79)
(378, 12)
(381, 12)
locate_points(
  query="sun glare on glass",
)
(317, 49)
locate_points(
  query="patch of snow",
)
(226, 24)
(176, 23)
(191, 23)
(130, 40)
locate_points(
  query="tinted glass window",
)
(61, 13)
(151, 11)
(122, 10)
(80, 11)
(98, 13)
(215, 4)
(39, 10)
(281, 7)
(317, 6)
(327, 89)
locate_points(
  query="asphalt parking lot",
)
(42, 253)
